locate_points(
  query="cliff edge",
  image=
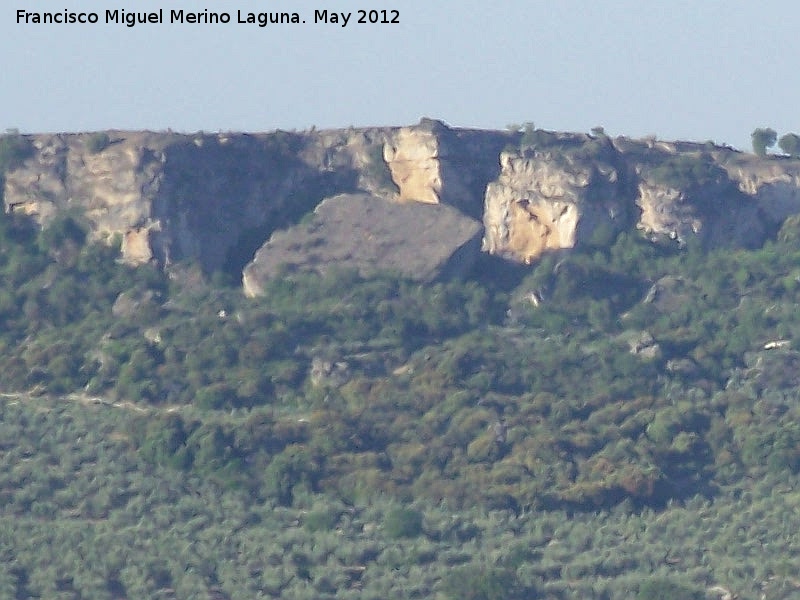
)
(222, 199)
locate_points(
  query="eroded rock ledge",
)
(217, 199)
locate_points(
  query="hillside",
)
(600, 400)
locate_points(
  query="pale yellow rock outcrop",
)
(715, 214)
(136, 246)
(666, 211)
(540, 204)
(113, 190)
(434, 164)
(414, 161)
(170, 197)
(774, 184)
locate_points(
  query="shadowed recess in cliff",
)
(238, 190)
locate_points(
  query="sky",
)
(697, 70)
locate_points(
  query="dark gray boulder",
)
(425, 242)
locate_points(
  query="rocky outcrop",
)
(370, 234)
(215, 199)
(545, 200)
(107, 187)
(416, 165)
(209, 198)
(715, 216)
(434, 164)
(774, 184)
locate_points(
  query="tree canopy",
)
(763, 138)
(790, 144)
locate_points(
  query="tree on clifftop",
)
(763, 139)
(790, 144)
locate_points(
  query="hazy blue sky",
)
(699, 69)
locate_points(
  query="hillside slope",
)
(601, 404)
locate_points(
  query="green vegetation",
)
(685, 171)
(486, 584)
(403, 523)
(633, 433)
(763, 138)
(14, 149)
(790, 144)
(664, 589)
(542, 139)
(97, 142)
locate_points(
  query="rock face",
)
(774, 184)
(107, 187)
(215, 199)
(433, 164)
(715, 216)
(368, 233)
(209, 198)
(548, 200)
(416, 166)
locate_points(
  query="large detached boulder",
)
(422, 241)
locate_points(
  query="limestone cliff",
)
(209, 198)
(567, 189)
(553, 199)
(434, 164)
(686, 193)
(774, 184)
(715, 215)
(217, 199)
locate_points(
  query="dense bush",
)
(763, 138)
(485, 584)
(14, 149)
(684, 172)
(664, 589)
(402, 523)
(97, 142)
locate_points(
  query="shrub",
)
(214, 397)
(293, 467)
(664, 589)
(377, 169)
(402, 523)
(323, 519)
(790, 144)
(97, 142)
(14, 149)
(685, 171)
(763, 139)
(470, 583)
(62, 229)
